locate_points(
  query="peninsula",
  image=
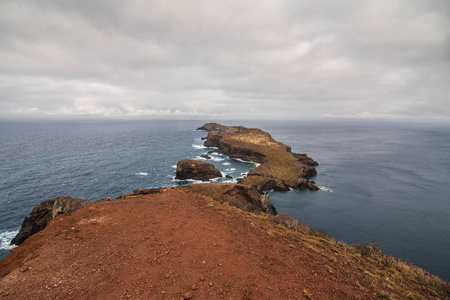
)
(280, 169)
(203, 241)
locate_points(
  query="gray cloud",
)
(225, 59)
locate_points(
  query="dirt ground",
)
(174, 245)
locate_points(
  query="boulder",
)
(205, 156)
(43, 212)
(197, 170)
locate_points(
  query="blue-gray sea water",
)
(386, 183)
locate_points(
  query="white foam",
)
(197, 146)
(141, 174)
(325, 189)
(5, 239)
(232, 180)
(230, 169)
(187, 180)
(217, 159)
(211, 158)
(241, 160)
(174, 166)
(226, 164)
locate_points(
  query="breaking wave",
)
(5, 239)
(325, 189)
(141, 174)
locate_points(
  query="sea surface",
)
(386, 183)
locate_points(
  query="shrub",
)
(320, 233)
(289, 222)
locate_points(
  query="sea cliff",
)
(279, 169)
(206, 241)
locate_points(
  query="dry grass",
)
(403, 269)
(413, 280)
(289, 222)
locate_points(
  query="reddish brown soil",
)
(173, 245)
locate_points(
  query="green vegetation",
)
(246, 293)
(384, 295)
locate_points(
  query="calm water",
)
(389, 182)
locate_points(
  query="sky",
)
(276, 60)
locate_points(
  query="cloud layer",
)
(226, 59)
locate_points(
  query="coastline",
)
(221, 205)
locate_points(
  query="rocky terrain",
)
(202, 241)
(280, 168)
(44, 212)
(190, 242)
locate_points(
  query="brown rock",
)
(236, 195)
(197, 170)
(280, 169)
(43, 212)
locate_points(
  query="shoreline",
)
(219, 200)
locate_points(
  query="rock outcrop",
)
(218, 127)
(280, 168)
(197, 170)
(43, 212)
(240, 196)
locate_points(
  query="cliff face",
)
(43, 212)
(280, 169)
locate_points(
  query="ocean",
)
(386, 183)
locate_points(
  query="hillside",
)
(177, 243)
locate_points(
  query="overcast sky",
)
(296, 59)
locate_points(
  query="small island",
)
(280, 169)
(203, 241)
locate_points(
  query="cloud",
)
(230, 59)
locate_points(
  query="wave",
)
(246, 161)
(187, 181)
(141, 174)
(325, 189)
(217, 159)
(226, 164)
(230, 169)
(212, 158)
(5, 239)
(197, 146)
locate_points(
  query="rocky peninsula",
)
(280, 169)
(203, 241)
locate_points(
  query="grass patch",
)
(214, 204)
(246, 294)
(384, 295)
(320, 233)
(288, 222)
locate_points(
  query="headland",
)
(205, 241)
